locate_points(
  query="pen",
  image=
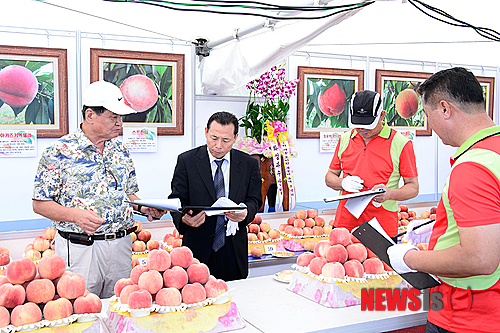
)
(404, 232)
(361, 183)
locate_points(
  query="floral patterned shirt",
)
(72, 173)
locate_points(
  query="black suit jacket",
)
(193, 184)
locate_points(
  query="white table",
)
(269, 307)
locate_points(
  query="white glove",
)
(352, 183)
(376, 204)
(420, 235)
(396, 254)
(231, 228)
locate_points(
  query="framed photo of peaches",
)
(323, 99)
(34, 90)
(402, 105)
(151, 83)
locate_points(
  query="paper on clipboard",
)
(161, 204)
(357, 202)
(225, 202)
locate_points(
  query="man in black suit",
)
(193, 183)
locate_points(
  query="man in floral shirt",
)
(82, 184)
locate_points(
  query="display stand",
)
(212, 318)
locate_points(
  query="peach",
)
(140, 92)
(432, 216)
(311, 213)
(316, 265)
(327, 229)
(134, 237)
(134, 262)
(126, 291)
(177, 243)
(33, 255)
(176, 233)
(5, 317)
(282, 227)
(41, 244)
(152, 281)
(198, 273)
(193, 293)
(175, 277)
(3, 280)
(403, 208)
(195, 261)
(152, 245)
(169, 297)
(317, 231)
(373, 266)
(301, 214)
(433, 210)
(309, 245)
(11, 295)
(140, 299)
(18, 86)
(304, 259)
(297, 232)
(181, 256)
(357, 251)
(4, 259)
(299, 223)
(321, 248)
(262, 236)
(167, 236)
(48, 253)
(340, 236)
(333, 270)
(407, 103)
(120, 284)
(26, 314)
(307, 231)
(404, 215)
(412, 214)
(309, 223)
(40, 291)
(353, 268)
(158, 260)
(336, 253)
(290, 220)
(320, 222)
(288, 229)
(71, 286)
(4, 250)
(252, 237)
(138, 226)
(214, 288)
(332, 101)
(20, 271)
(256, 252)
(265, 227)
(58, 309)
(257, 219)
(144, 236)
(137, 272)
(138, 246)
(253, 228)
(51, 267)
(90, 303)
(49, 233)
(425, 215)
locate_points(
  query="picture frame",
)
(389, 83)
(41, 99)
(488, 84)
(323, 99)
(166, 70)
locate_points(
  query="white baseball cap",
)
(107, 95)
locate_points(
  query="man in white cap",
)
(369, 156)
(82, 184)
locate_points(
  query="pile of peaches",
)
(142, 241)
(172, 240)
(340, 257)
(42, 246)
(306, 223)
(29, 293)
(405, 216)
(169, 280)
(261, 231)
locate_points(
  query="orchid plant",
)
(275, 92)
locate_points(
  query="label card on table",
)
(269, 248)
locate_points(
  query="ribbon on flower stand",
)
(278, 141)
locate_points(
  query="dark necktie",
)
(219, 237)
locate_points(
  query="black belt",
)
(86, 239)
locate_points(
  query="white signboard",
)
(140, 139)
(18, 143)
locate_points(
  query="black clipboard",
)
(378, 244)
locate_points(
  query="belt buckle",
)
(110, 236)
